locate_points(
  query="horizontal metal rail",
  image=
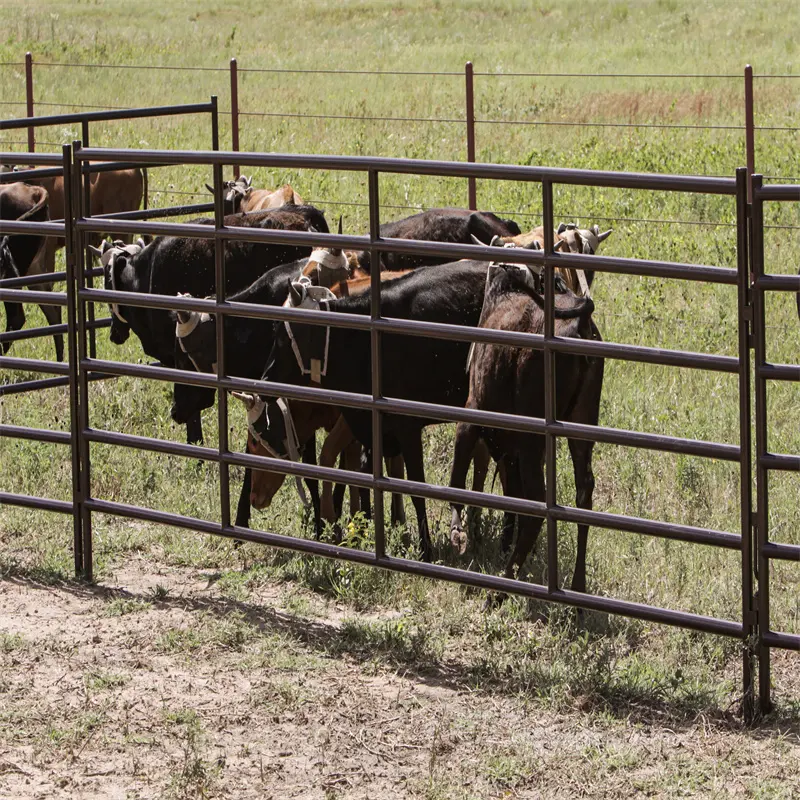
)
(30, 296)
(596, 433)
(39, 503)
(778, 372)
(23, 387)
(780, 461)
(104, 116)
(772, 282)
(785, 552)
(478, 580)
(35, 434)
(625, 266)
(50, 330)
(786, 641)
(33, 365)
(411, 166)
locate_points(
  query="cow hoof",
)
(459, 540)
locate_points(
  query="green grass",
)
(613, 660)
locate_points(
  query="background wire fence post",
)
(29, 100)
(235, 113)
(470, 117)
(749, 130)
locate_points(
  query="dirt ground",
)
(156, 685)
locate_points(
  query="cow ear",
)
(561, 228)
(559, 245)
(97, 251)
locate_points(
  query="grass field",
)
(616, 676)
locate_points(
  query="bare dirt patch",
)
(155, 684)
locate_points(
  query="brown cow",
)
(21, 254)
(241, 196)
(511, 380)
(110, 192)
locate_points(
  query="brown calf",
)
(241, 196)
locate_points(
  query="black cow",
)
(22, 254)
(511, 380)
(453, 225)
(247, 344)
(425, 369)
(170, 265)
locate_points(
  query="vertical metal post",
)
(222, 395)
(87, 212)
(72, 350)
(749, 130)
(470, 103)
(29, 100)
(762, 474)
(549, 387)
(83, 380)
(745, 445)
(235, 113)
(214, 123)
(375, 345)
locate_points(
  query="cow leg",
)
(310, 457)
(394, 468)
(15, 321)
(243, 506)
(338, 491)
(530, 479)
(339, 437)
(194, 429)
(415, 469)
(467, 437)
(587, 411)
(352, 461)
(480, 469)
(508, 463)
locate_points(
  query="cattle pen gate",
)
(752, 628)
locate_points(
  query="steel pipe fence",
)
(379, 405)
(751, 541)
(85, 119)
(766, 461)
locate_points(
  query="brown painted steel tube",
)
(103, 116)
(785, 552)
(413, 166)
(40, 503)
(35, 434)
(490, 582)
(786, 641)
(34, 365)
(780, 461)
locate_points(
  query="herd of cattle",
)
(501, 295)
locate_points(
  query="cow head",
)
(582, 240)
(279, 429)
(115, 259)
(234, 192)
(196, 336)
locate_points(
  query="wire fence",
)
(235, 112)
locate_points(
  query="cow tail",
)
(144, 179)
